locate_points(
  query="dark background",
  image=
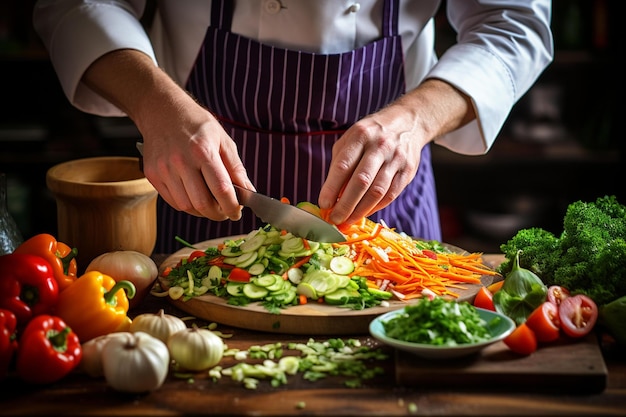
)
(563, 141)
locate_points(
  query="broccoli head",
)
(588, 258)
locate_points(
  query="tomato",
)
(578, 314)
(522, 340)
(556, 294)
(484, 299)
(544, 322)
(429, 254)
(239, 275)
(196, 254)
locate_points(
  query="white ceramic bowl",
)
(500, 329)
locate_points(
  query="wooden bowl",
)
(104, 204)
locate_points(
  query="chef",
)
(328, 101)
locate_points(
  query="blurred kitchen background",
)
(563, 142)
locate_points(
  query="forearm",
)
(130, 80)
(433, 109)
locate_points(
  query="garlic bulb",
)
(135, 362)
(91, 362)
(196, 349)
(159, 325)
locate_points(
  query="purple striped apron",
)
(285, 109)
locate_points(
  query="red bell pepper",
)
(48, 350)
(8, 340)
(61, 257)
(27, 286)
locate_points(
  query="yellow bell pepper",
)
(95, 305)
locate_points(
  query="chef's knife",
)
(299, 222)
(290, 218)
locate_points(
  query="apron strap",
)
(391, 10)
(222, 14)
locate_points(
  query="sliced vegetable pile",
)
(279, 269)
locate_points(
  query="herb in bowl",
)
(438, 322)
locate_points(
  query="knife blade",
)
(293, 219)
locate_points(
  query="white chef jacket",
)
(502, 46)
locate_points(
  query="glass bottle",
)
(10, 235)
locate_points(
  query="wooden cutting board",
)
(568, 366)
(308, 319)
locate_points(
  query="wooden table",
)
(79, 394)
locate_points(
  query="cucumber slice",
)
(342, 296)
(215, 273)
(231, 251)
(342, 265)
(381, 295)
(244, 260)
(272, 238)
(310, 207)
(256, 269)
(343, 281)
(265, 280)
(254, 292)
(235, 289)
(323, 259)
(307, 290)
(252, 244)
(323, 281)
(295, 275)
(278, 284)
(286, 297)
(291, 246)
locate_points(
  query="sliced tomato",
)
(195, 254)
(556, 294)
(544, 322)
(239, 275)
(522, 340)
(484, 299)
(578, 314)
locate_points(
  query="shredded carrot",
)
(302, 299)
(380, 254)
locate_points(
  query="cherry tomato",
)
(544, 322)
(522, 340)
(484, 299)
(578, 314)
(556, 294)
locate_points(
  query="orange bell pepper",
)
(61, 257)
(95, 305)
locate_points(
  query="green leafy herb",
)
(438, 322)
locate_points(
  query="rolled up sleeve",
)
(77, 33)
(501, 51)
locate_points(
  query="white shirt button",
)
(272, 6)
(354, 8)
